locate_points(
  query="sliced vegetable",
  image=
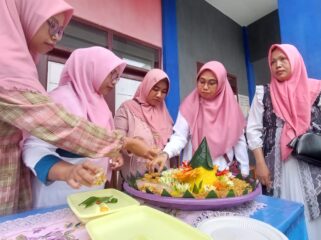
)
(230, 193)
(188, 194)
(212, 194)
(165, 193)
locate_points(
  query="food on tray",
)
(196, 179)
(194, 182)
(100, 178)
(103, 207)
(100, 201)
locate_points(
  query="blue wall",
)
(170, 54)
(300, 25)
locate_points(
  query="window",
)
(53, 76)
(134, 54)
(79, 35)
(140, 58)
(125, 90)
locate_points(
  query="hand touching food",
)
(158, 162)
(76, 175)
(117, 162)
(87, 174)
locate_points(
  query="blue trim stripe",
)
(44, 165)
(249, 67)
(64, 153)
(170, 54)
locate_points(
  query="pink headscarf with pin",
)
(20, 20)
(84, 72)
(219, 119)
(157, 117)
(292, 99)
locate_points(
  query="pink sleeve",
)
(122, 120)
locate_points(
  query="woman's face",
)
(109, 83)
(280, 65)
(158, 93)
(48, 34)
(207, 84)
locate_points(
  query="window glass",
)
(135, 54)
(53, 76)
(125, 89)
(79, 35)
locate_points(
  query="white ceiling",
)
(244, 12)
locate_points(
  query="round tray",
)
(190, 203)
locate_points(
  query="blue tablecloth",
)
(284, 215)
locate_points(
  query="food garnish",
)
(100, 178)
(98, 200)
(198, 179)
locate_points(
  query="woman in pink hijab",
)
(210, 111)
(29, 28)
(145, 117)
(286, 108)
(88, 76)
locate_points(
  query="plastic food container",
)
(142, 223)
(89, 213)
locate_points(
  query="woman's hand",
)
(157, 163)
(85, 173)
(139, 148)
(76, 175)
(117, 162)
(262, 172)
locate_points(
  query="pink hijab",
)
(220, 119)
(292, 99)
(157, 117)
(84, 72)
(20, 20)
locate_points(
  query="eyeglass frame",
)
(210, 83)
(114, 76)
(54, 27)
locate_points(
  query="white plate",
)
(239, 228)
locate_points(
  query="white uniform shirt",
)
(181, 140)
(55, 193)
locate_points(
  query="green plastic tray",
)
(86, 214)
(142, 223)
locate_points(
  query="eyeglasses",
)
(54, 27)
(114, 76)
(210, 83)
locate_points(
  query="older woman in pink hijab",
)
(145, 117)
(29, 28)
(88, 76)
(286, 108)
(210, 111)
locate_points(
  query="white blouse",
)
(52, 193)
(181, 139)
(254, 129)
